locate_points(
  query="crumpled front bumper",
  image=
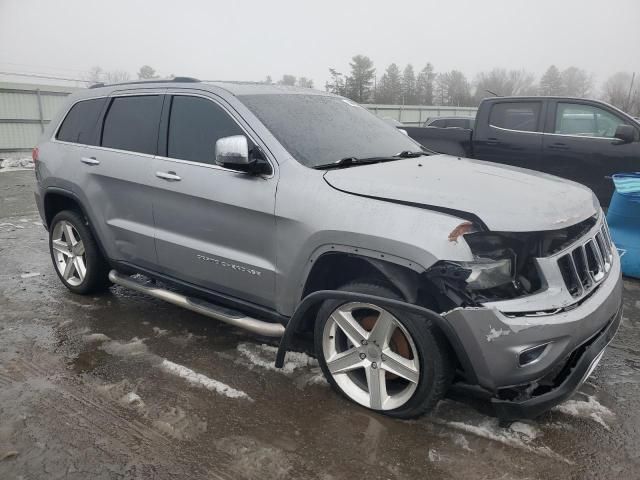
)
(576, 371)
(575, 336)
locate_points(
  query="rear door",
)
(511, 133)
(116, 176)
(215, 226)
(579, 144)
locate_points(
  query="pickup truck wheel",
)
(75, 254)
(386, 361)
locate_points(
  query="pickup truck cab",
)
(288, 211)
(586, 141)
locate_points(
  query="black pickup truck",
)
(582, 140)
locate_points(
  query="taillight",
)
(34, 154)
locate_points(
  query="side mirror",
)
(232, 152)
(625, 133)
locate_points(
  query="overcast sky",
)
(250, 39)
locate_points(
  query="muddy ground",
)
(124, 386)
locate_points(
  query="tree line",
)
(452, 88)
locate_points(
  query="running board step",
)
(203, 307)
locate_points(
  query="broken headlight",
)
(487, 273)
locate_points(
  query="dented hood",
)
(504, 198)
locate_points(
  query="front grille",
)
(584, 266)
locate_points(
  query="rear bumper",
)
(577, 369)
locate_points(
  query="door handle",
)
(559, 146)
(90, 161)
(169, 176)
(492, 141)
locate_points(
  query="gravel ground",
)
(124, 386)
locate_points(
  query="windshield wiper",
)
(351, 161)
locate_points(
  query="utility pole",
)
(627, 105)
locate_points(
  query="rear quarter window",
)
(80, 124)
(520, 116)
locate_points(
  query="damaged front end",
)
(533, 309)
(504, 264)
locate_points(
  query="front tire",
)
(75, 254)
(390, 362)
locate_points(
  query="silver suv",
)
(290, 211)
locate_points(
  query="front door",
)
(215, 227)
(579, 144)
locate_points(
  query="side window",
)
(132, 123)
(438, 123)
(195, 125)
(585, 120)
(79, 126)
(521, 116)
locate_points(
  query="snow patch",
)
(134, 347)
(462, 442)
(433, 455)
(200, 380)
(160, 332)
(13, 164)
(589, 408)
(30, 275)
(96, 337)
(521, 437)
(264, 356)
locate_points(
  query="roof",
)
(255, 88)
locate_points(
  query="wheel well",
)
(333, 270)
(54, 203)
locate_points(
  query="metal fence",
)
(25, 109)
(416, 115)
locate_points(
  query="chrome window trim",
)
(231, 115)
(580, 136)
(53, 138)
(516, 131)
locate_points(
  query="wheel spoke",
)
(78, 248)
(69, 268)
(400, 366)
(80, 268)
(382, 330)
(68, 233)
(349, 326)
(61, 246)
(377, 385)
(345, 361)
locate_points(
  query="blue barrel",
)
(623, 217)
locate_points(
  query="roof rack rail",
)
(137, 82)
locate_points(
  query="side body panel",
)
(215, 227)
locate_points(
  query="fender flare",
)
(72, 196)
(316, 298)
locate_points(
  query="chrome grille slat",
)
(586, 265)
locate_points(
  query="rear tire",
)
(390, 362)
(75, 254)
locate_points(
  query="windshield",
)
(318, 129)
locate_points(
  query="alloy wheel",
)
(69, 253)
(371, 356)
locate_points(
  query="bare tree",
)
(147, 73)
(304, 82)
(452, 88)
(287, 80)
(502, 82)
(621, 91)
(95, 74)
(116, 76)
(576, 82)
